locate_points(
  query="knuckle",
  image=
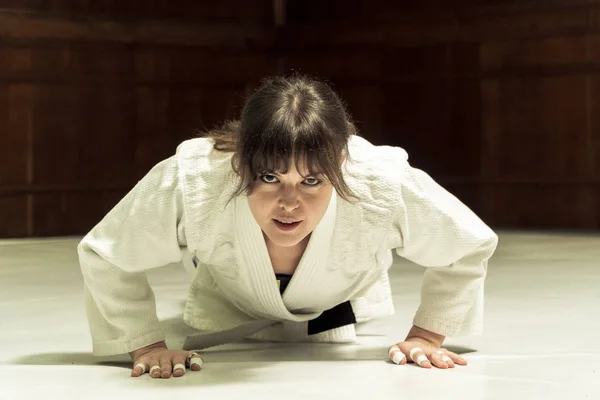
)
(165, 361)
(141, 360)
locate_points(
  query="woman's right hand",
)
(160, 362)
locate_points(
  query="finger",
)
(154, 369)
(178, 366)
(139, 369)
(455, 357)
(396, 355)
(196, 361)
(418, 356)
(166, 368)
(436, 359)
(446, 359)
(178, 370)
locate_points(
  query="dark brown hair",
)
(288, 117)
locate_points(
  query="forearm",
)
(452, 296)
(433, 338)
(120, 306)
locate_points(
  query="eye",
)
(268, 178)
(312, 181)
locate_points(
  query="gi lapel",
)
(254, 257)
(303, 290)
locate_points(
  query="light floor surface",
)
(541, 337)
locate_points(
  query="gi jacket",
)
(183, 209)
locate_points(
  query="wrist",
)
(433, 338)
(143, 350)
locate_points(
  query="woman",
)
(290, 220)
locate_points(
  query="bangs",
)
(312, 152)
(296, 119)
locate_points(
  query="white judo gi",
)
(180, 209)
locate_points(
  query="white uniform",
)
(180, 208)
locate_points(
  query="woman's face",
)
(280, 199)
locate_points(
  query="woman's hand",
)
(424, 355)
(424, 348)
(160, 362)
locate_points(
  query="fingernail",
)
(398, 357)
(179, 367)
(421, 360)
(197, 360)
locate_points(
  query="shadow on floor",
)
(245, 351)
(239, 352)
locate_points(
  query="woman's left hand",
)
(424, 353)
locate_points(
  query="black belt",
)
(340, 315)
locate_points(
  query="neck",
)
(286, 259)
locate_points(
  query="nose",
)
(288, 199)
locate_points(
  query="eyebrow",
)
(314, 173)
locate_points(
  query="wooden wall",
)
(498, 100)
(93, 94)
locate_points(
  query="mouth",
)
(286, 225)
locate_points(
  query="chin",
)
(285, 243)
(278, 240)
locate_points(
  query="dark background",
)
(498, 100)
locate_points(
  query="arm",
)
(143, 231)
(441, 233)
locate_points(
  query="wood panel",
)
(464, 156)
(593, 96)
(415, 118)
(14, 134)
(16, 164)
(537, 128)
(366, 109)
(497, 100)
(535, 52)
(543, 206)
(89, 103)
(255, 11)
(43, 28)
(67, 213)
(14, 216)
(83, 135)
(393, 22)
(341, 65)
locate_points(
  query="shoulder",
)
(376, 173)
(362, 150)
(207, 182)
(197, 159)
(200, 150)
(206, 175)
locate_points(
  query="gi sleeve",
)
(143, 231)
(439, 232)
